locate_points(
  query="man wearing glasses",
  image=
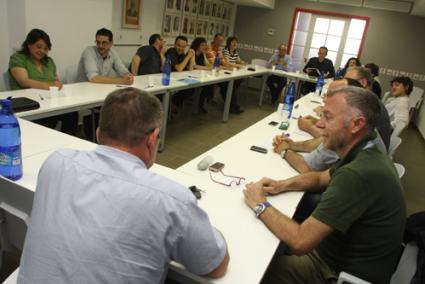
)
(102, 216)
(149, 58)
(101, 64)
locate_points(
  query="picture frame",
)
(131, 14)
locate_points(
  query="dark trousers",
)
(88, 124)
(223, 92)
(69, 122)
(276, 85)
(207, 93)
(308, 87)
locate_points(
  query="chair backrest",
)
(406, 267)
(404, 273)
(394, 143)
(416, 97)
(13, 278)
(400, 169)
(6, 82)
(260, 62)
(345, 278)
(71, 74)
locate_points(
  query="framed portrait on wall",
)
(131, 14)
(207, 8)
(166, 30)
(176, 19)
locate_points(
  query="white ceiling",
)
(413, 7)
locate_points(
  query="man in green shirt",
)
(358, 225)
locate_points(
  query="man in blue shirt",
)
(281, 61)
(102, 217)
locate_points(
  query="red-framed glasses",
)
(235, 180)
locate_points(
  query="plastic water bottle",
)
(339, 73)
(319, 84)
(166, 72)
(288, 102)
(217, 63)
(10, 143)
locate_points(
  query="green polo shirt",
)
(19, 59)
(364, 204)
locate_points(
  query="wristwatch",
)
(282, 154)
(261, 207)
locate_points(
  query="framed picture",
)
(207, 8)
(131, 14)
(167, 24)
(176, 24)
(194, 7)
(201, 10)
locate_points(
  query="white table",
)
(251, 244)
(86, 95)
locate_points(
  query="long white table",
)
(86, 95)
(250, 243)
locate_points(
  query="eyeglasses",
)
(235, 182)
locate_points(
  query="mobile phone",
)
(284, 125)
(258, 149)
(273, 123)
(251, 69)
(227, 72)
(216, 167)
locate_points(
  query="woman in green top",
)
(31, 67)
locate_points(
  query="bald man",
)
(281, 61)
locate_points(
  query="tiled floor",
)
(190, 135)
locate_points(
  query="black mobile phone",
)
(227, 72)
(273, 123)
(258, 149)
(251, 69)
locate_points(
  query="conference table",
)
(251, 244)
(86, 95)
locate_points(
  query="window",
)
(342, 34)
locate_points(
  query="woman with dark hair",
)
(200, 61)
(351, 62)
(230, 53)
(31, 67)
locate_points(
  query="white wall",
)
(4, 42)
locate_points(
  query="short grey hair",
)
(363, 73)
(363, 101)
(128, 116)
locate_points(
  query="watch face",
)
(258, 209)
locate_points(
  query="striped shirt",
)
(231, 57)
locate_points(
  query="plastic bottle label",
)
(10, 156)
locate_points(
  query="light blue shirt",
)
(92, 64)
(287, 66)
(101, 217)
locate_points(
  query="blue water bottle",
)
(288, 102)
(217, 62)
(319, 84)
(10, 143)
(166, 72)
